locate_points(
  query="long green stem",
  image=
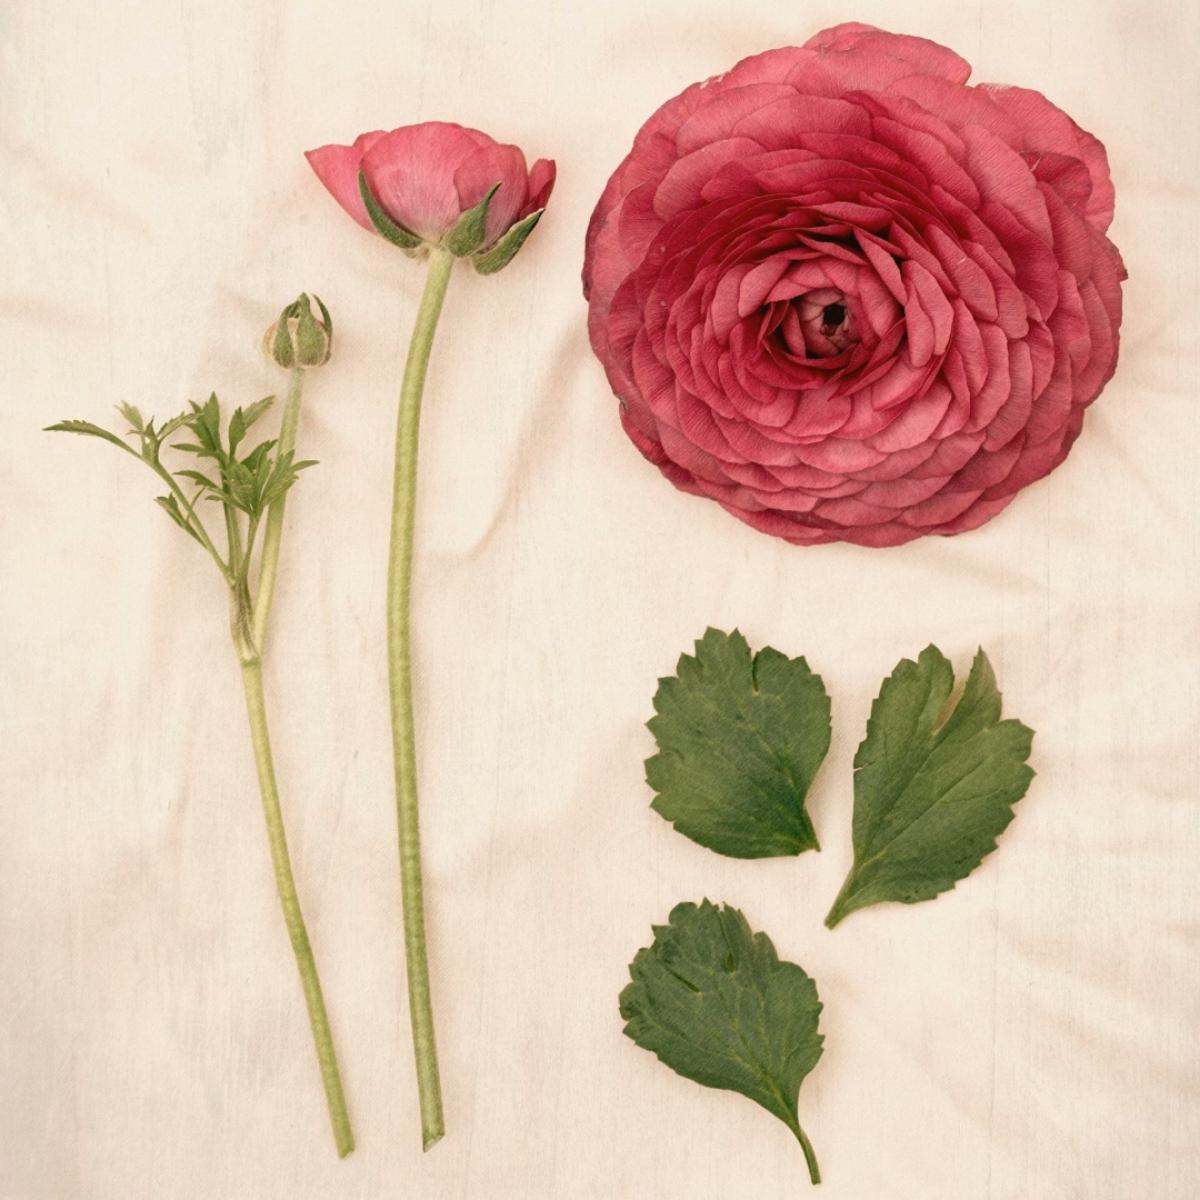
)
(250, 626)
(286, 886)
(273, 535)
(399, 592)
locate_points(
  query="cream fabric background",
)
(1031, 1035)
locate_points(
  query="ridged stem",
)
(399, 594)
(285, 885)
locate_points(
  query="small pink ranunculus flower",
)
(425, 177)
(852, 298)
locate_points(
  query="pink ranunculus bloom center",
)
(826, 321)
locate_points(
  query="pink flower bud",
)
(425, 177)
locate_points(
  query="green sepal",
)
(312, 341)
(497, 257)
(282, 350)
(467, 233)
(327, 321)
(396, 234)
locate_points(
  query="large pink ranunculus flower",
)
(852, 298)
(426, 176)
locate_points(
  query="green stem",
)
(399, 592)
(193, 517)
(269, 568)
(786, 1113)
(286, 886)
(810, 1157)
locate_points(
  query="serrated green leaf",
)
(200, 480)
(171, 426)
(242, 420)
(258, 409)
(258, 454)
(133, 415)
(497, 257)
(740, 738)
(394, 233)
(86, 427)
(282, 478)
(171, 506)
(151, 442)
(932, 792)
(237, 430)
(714, 1002)
(205, 422)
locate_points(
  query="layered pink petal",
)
(337, 168)
(541, 183)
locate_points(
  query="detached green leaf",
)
(932, 791)
(86, 427)
(714, 1002)
(739, 741)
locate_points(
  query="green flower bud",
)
(300, 338)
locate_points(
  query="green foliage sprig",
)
(244, 482)
(250, 483)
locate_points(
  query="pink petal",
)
(337, 168)
(716, 118)
(411, 173)
(682, 184)
(921, 55)
(1046, 127)
(916, 422)
(483, 169)
(541, 183)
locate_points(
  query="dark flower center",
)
(832, 317)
